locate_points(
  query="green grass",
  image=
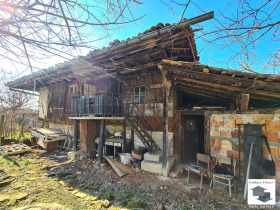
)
(29, 178)
(8, 160)
(17, 136)
(26, 162)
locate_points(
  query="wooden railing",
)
(101, 104)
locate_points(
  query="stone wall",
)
(224, 135)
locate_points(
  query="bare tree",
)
(32, 30)
(243, 28)
(17, 108)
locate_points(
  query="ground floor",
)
(49, 180)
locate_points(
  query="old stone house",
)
(153, 87)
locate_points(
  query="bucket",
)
(125, 158)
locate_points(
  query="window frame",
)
(139, 95)
(74, 89)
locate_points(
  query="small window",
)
(140, 94)
(73, 89)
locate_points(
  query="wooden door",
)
(193, 138)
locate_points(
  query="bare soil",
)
(157, 192)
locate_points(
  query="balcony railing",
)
(101, 104)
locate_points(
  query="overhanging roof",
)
(219, 84)
(144, 52)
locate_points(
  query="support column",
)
(164, 127)
(101, 141)
(124, 136)
(242, 102)
(75, 135)
(166, 92)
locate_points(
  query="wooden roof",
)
(221, 84)
(123, 58)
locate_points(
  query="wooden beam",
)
(164, 126)
(213, 96)
(138, 68)
(210, 76)
(178, 48)
(124, 137)
(75, 135)
(232, 88)
(211, 90)
(245, 102)
(101, 141)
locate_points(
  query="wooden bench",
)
(198, 168)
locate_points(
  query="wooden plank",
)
(83, 135)
(119, 168)
(93, 128)
(14, 149)
(96, 118)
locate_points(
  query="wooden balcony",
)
(101, 104)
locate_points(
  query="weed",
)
(8, 160)
(26, 162)
(123, 197)
(186, 206)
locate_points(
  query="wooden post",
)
(165, 124)
(124, 136)
(1, 127)
(164, 131)
(75, 135)
(34, 118)
(248, 172)
(43, 123)
(242, 102)
(101, 141)
(245, 102)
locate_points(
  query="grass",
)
(40, 188)
(17, 136)
(26, 162)
(7, 160)
(28, 177)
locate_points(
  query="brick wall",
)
(224, 135)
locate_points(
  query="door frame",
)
(178, 132)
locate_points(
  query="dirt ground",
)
(50, 179)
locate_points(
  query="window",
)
(140, 94)
(73, 89)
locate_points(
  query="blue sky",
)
(156, 11)
(216, 55)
